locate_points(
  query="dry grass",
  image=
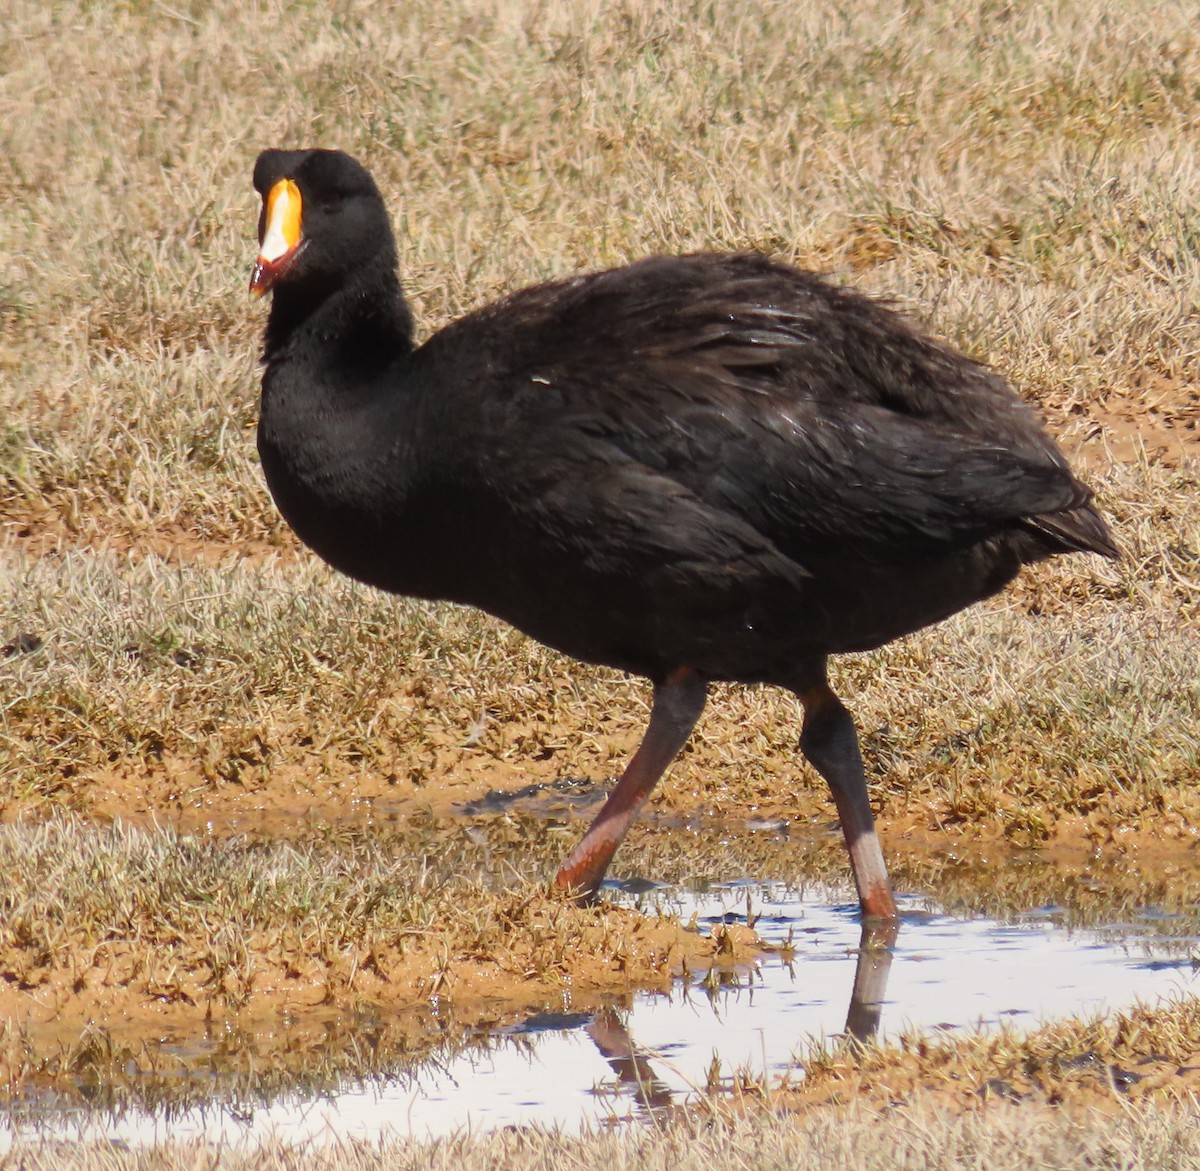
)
(1128, 1056)
(1021, 177)
(855, 1140)
(116, 918)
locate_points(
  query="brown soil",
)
(54, 525)
(421, 997)
(1158, 418)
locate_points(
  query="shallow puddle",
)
(571, 1069)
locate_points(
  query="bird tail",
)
(1076, 530)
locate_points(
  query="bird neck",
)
(337, 372)
(363, 317)
(332, 362)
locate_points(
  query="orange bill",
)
(281, 236)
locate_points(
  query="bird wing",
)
(620, 518)
(807, 412)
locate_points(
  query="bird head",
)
(322, 219)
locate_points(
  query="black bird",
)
(693, 468)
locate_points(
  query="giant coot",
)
(693, 468)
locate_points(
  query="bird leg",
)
(831, 744)
(678, 702)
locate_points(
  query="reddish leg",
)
(831, 743)
(678, 702)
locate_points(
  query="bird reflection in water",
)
(633, 1066)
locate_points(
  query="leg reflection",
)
(633, 1069)
(870, 977)
(635, 1073)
